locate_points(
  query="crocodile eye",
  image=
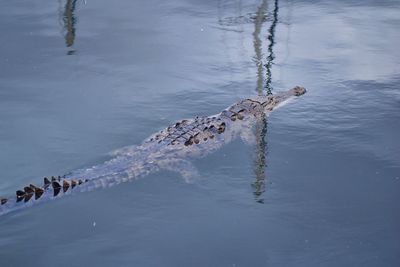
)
(240, 115)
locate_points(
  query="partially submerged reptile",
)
(168, 149)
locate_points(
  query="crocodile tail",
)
(57, 187)
(52, 188)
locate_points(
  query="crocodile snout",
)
(298, 90)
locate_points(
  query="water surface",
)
(321, 188)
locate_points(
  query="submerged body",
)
(170, 149)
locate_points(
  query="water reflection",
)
(257, 43)
(262, 124)
(240, 19)
(264, 80)
(261, 127)
(271, 56)
(260, 163)
(69, 24)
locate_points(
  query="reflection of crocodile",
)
(168, 149)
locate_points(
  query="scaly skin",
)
(168, 149)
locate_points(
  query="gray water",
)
(80, 78)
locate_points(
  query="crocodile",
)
(170, 149)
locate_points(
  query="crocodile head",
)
(274, 101)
